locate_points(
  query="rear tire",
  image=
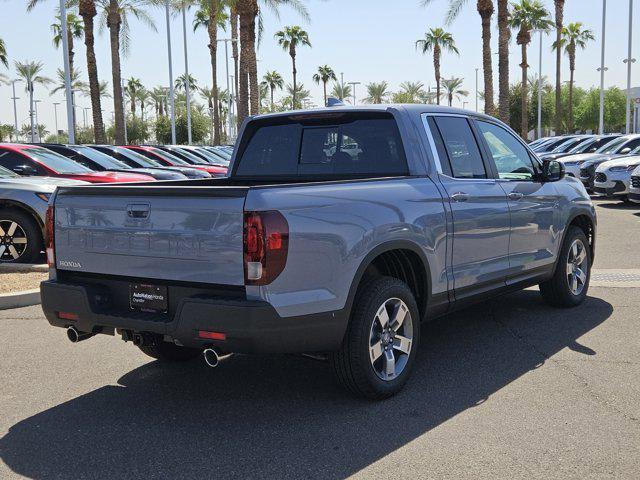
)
(20, 237)
(383, 300)
(169, 352)
(570, 282)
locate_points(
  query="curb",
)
(23, 267)
(25, 298)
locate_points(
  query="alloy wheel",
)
(577, 267)
(13, 241)
(390, 339)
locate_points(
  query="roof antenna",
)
(334, 102)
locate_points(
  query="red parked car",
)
(169, 159)
(32, 160)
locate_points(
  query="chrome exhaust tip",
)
(76, 336)
(211, 357)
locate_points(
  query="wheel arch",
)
(400, 259)
(16, 205)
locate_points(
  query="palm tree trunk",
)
(113, 23)
(31, 112)
(234, 47)
(247, 26)
(559, 4)
(292, 52)
(254, 99)
(486, 12)
(272, 104)
(324, 88)
(503, 60)
(436, 66)
(213, 49)
(87, 10)
(572, 69)
(524, 114)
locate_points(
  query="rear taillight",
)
(266, 242)
(48, 234)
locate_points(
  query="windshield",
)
(583, 145)
(568, 145)
(55, 161)
(211, 157)
(141, 160)
(190, 157)
(169, 157)
(613, 146)
(100, 158)
(4, 173)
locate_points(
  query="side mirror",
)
(26, 170)
(552, 170)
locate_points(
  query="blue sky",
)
(368, 40)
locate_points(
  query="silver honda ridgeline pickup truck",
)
(338, 231)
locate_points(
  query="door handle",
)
(460, 197)
(515, 196)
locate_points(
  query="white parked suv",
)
(634, 186)
(613, 178)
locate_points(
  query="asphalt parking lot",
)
(508, 389)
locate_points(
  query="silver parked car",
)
(23, 205)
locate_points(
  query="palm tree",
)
(273, 80)
(207, 94)
(410, 92)
(559, 7)
(436, 40)
(296, 96)
(74, 31)
(248, 11)
(377, 92)
(341, 91)
(573, 37)
(31, 74)
(3, 54)
(325, 73)
(504, 36)
(181, 82)
(158, 95)
(485, 10)
(452, 87)
(131, 90)
(116, 14)
(143, 97)
(77, 85)
(289, 39)
(527, 15)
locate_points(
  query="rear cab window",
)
(342, 145)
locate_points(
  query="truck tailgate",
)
(191, 234)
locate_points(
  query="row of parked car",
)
(607, 165)
(30, 173)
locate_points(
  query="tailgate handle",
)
(138, 210)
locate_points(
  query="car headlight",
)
(619, 168)
(44, 197)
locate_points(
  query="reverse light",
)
(266, 244)
(68, 316)
(48, 233)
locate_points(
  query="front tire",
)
(379, 347)
(570, 282)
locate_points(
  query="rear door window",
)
(461, 147)
(347, 145)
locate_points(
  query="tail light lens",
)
(48, 233)
(266, 243)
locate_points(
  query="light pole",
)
(226, 54)
(629, 60)
(464, 105)
(211, 115)
(67, 69)
(342, 83)
(15, 110)
(540, 85)
(35, 106)
(124, 113)
(55, 115)
(476, 89)
(171, 95)
(353, 84)
(186, 72)
(602, 68)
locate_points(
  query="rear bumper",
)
(249, 326)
